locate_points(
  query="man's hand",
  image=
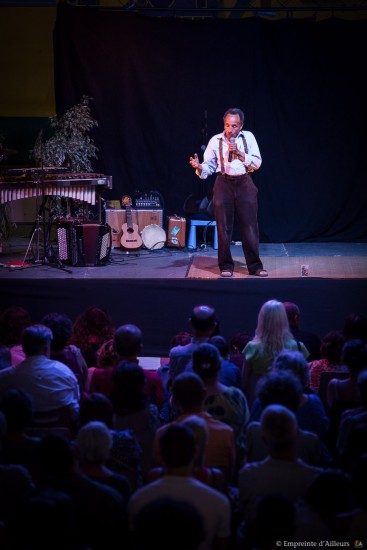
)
(194, 161)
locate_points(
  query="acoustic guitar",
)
(130, 238)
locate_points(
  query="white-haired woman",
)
(272, 335)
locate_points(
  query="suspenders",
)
(221, 159)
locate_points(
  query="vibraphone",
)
(32, 182)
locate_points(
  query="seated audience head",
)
(96, 406)
(239, 341)
(188, 392)
(178, 447)
(275, 520)
(206, 361)
(330, 493)
(221, 343)
(107, 355)
(355, 327)
(272, 328)
(362, 386)
(93, 443)
(5, 357)
(36, 340)
(61, 326)
(16, 405)
(293, 314)
(183, 524)
(294, 362)
(128, 341)
(127, 393)
(279, 427)
(331, 346)
(359, 481)
(204, 321)
(13, 320)
(280, 387)
(354, 355)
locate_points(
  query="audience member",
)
(226, 403)
(61, 326)
(331, 353)
(281, 388)
(329, 494)
(188, 394)
(91, 329)
(100, 376)
(204, 324)
(178, 452)
(352, 526)
(17, 446)
(229, 373)
(354, 356)
(282, 471)
(126, 454)
(214, 477)
(310, 339)
(272, 335)
(129, 345)
(132, 408)
(183, 524)
(350, 419)
(50, 384)
(355, 327)
(47, 515)
(100, 511)
(13, 320)
(93, 444)
(311, 414)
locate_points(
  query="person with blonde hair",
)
(272, 335)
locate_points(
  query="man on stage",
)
(233, 155)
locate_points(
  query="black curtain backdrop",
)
(160, 87)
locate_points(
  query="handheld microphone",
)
(232, 140)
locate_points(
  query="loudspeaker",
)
(116, 218)
(84, 244)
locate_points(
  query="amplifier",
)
(148, 200)
(116, 218)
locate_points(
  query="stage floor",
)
(157, 290)
(282, 260)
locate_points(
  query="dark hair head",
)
(239, 341)
(355, 326)
(53, 456)
(294, 362)
(5, 357)
(106, 355)
(96, 406)
(354, 355)
(188, 391)
(330, 493)
(293, 313)
(206, 360)
(331, 346)
(62, 328)
(177, 445)
(13, 320)
(235, 111)
(282, 388)
(221, 343)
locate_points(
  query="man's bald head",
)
(203, 320)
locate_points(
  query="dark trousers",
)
(236, 196)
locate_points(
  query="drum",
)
(153, 236)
